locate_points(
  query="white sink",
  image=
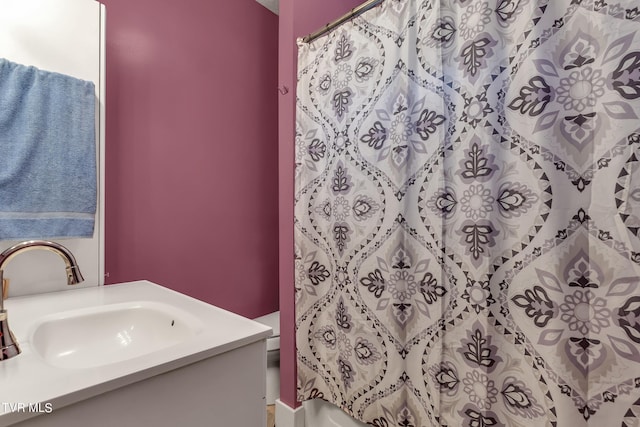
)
(85, 346)
(87, 338)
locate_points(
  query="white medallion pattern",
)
(467, 214)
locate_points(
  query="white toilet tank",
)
(273, 356)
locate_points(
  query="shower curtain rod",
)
(347, 16)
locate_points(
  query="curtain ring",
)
(283, 90)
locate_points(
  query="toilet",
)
(273, 356)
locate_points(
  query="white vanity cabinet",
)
(213, 373)
(221, 391)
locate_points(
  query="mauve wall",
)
(297, 18)
(191, 143)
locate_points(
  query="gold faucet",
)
(8, 344)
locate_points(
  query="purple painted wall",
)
(193, 157)
(192, 149)
(296, 20)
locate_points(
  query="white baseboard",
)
(286, 416)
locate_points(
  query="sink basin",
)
(87, 338)
(129, 346)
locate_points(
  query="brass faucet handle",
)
(5, 288)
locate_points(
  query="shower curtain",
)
(467, 214)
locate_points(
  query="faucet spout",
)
(8, 345)
(74, 276)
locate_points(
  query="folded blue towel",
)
(48, 184)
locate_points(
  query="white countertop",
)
(28, 378)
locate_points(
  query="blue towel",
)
(48, 184)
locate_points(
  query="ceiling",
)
(272, 5)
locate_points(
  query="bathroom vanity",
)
(131, 354)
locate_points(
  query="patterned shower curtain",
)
(467, 214)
